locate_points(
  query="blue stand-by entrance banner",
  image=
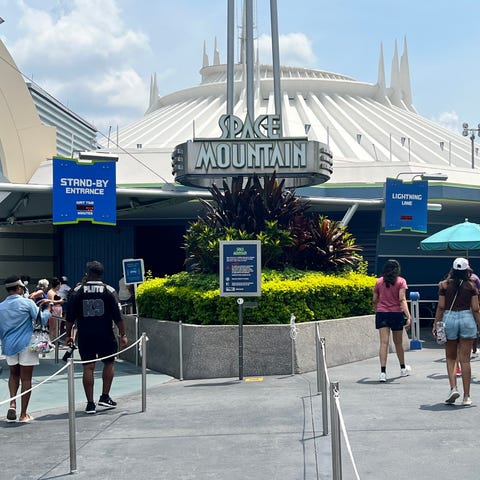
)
(406, 205)
(84, 190)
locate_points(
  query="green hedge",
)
(194, 298)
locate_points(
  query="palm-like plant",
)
(263, 210)
(322, 244)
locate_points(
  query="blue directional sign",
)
(133, 270)
(406, 205)
(84, 190)
(240, 268)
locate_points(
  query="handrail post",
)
(180, 349)
(336, 438)
(71, 416)
(136, 339)
(324, 387)
(318, 358)
(293, 336)
(144, 371)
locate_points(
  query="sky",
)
(97, 56)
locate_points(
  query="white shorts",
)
(25, 358)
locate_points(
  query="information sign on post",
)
(240, 268)
(133, 270)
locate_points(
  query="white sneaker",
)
(452, 396)
(467, 401)
(405, 372)
(382, 377)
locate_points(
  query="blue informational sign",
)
(240, 268)
(133, 270)
(84, 190)
(406, 205)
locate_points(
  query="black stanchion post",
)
(336, 438)
(71, 416)
(144, 372)
(240, 338)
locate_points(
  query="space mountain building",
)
(367, 133)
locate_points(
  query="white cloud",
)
(78, 38)
(448, 120)
(121, 88)
(82, 53)
(295, 49)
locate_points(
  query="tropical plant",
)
(322, 244)
(264, 210)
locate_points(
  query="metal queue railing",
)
(70, 367)
(332, 390)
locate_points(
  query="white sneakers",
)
(467, 401)
(452, 396)
(404, 372)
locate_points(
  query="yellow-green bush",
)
(195, 298)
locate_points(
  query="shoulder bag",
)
(40, 341)
(440, 334)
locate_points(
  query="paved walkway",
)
(262, 430)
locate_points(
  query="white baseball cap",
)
(461, 264)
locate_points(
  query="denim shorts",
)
(460, 324)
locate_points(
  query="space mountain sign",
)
(247, 147)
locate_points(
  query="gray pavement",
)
(268, 428)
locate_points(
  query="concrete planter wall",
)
(212, 351)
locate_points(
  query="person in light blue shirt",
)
(17, 315)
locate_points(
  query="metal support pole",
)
(136, 338)
(56, 335)
(336, 438)
(230, 55)
(318, 357)
(324, 388)
(472, 138)
(277, 93)
(240, 338)
(249, 58)
(144, 371)
(415, 342)
(71, 415)
(293, 336)
(180, 349)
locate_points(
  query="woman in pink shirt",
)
(391, 313)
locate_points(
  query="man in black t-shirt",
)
(93, 306)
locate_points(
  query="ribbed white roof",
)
(373, 130)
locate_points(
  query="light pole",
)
(472, 131)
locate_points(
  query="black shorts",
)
(393, 320)
(91, 348)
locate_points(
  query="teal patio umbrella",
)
(463, 236)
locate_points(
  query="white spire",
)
(395, 93)
(405, 84)
(205, 56)
(381, 84)
(216, 54)
(152, 105)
